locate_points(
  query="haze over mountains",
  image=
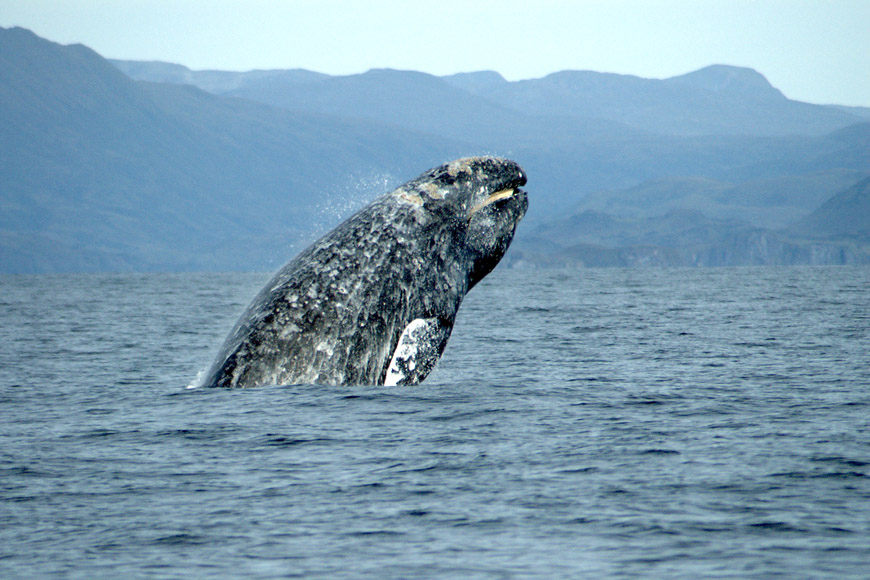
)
(150, 166)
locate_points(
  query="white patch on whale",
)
(406, 353)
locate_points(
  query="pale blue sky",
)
(813, 50)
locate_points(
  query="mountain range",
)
(119, 165)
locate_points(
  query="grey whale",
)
(373, 302)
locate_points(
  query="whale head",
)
(481, 199)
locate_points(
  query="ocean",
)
(601, 423)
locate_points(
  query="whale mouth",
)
(493, 197)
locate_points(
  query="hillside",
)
(679, 238)
(660, 223)
(577, 131)
(213, 81)
(771, 202)
(716, 100)
(844, 216)
(104, 172)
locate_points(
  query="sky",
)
(816, 51)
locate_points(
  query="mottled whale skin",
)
(373, 302)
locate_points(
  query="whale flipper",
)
(419, 348)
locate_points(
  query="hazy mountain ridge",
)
(680, 238)
(101, 172)
(573, 151)
(846, 215)
(667, 223)
(863, 112)
(718, 99)
(213, 81)
(127, 175)
(772, 202)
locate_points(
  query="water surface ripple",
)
(599, 423)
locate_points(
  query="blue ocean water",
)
(652, 423)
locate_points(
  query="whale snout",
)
(499, 181)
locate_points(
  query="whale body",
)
(373, 302)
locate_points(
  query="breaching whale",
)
(373, 302)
